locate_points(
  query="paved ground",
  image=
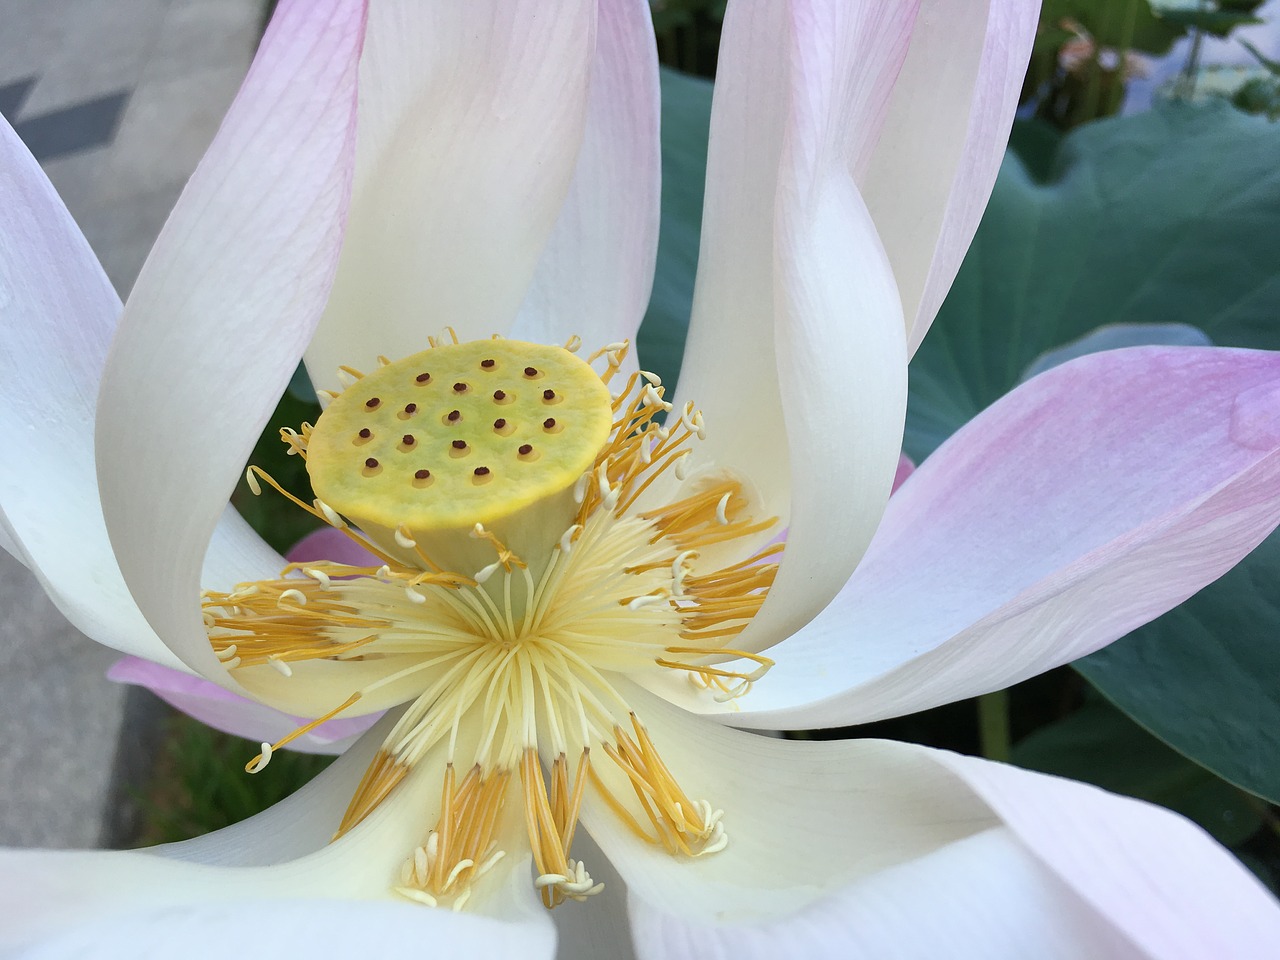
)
(118, 100)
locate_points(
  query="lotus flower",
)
(390, 171)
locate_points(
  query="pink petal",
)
(796, 337)
(221, 312)
(230, 713)
(471, 120)
(330, 544)
(906, 467)
(1082, 505)
(948, 122)
(596, 272)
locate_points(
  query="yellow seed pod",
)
(460, 434)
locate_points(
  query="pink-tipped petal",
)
(595, 275)
(1087, 502)
(222, 310)
(1164, 884)
(57, 314)
(223, 710)
(796, 347)
(935, 164)
(471, 119)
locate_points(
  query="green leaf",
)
(686, 116)
(1100, 745)
(1204, 676)
(1160, 218)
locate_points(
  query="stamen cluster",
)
(513, 662)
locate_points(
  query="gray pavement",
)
(118, 100)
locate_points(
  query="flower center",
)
(489, 432)
(525, 565)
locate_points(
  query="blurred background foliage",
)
(1139, 203)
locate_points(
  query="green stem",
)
(993, 725)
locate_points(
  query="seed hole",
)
(372, 403)
(423, 378)
(530, 373)
(461, 387)
(487, 364)
(453, 416)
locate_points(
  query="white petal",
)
(222, 309)
(471, 118)
(295, 928)
(280, 855)
(842, 845)
(796, 349)
(595, 275)
(980, 898)
(57, 314)
(933, 168)
(1082, 505)
(298, 825)
(804, 818)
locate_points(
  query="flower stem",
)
(993, 725)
